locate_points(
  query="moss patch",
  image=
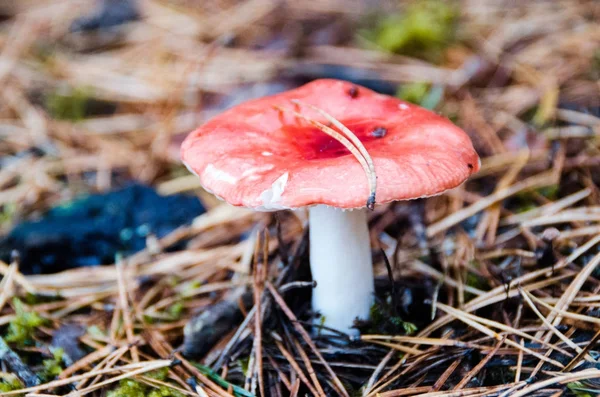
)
(21, 329)
(9, 382)
(133, 388)
(68, 106)
(424, 29)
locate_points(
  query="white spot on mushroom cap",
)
(267, 154)
(403, 106)
(271, 197)
(213, 173)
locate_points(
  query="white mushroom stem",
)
(342, 266)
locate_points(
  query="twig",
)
(18, 367)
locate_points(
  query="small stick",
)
(17, 366)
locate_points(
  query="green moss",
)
(383, 321)
(165, 391)
(21, 329)
(148, 319)
(595, 66)
(244, 364)
(68, 106)
(133, 388)
(9, 382)
(525, 207)
(172, 281)
(190, 288)
(578, 389)
(175, 310)
(7, 213)
(413, 92)
(95, 332)
(525, 201)
(54, 366)
(409, 328)
(423, 29)
(476, 281)
(33, 299)
(159, 374)
(421, 94)
(128, 388)
(550, 192)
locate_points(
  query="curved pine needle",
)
(347, 144)
(357, 143)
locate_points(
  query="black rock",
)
(204, 330)
(91, 230)
(67, 338)
(108, 13)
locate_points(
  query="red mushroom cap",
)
(259, 156)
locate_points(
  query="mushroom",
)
(335, 148)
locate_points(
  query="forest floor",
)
(492, 289)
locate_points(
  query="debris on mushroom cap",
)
(258, 156)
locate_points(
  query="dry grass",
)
(501, 319)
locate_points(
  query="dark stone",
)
(67, 338)
(17, 366)
(204, 330)
(108, 13)
(91, 230)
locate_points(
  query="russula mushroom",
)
(335, 148)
